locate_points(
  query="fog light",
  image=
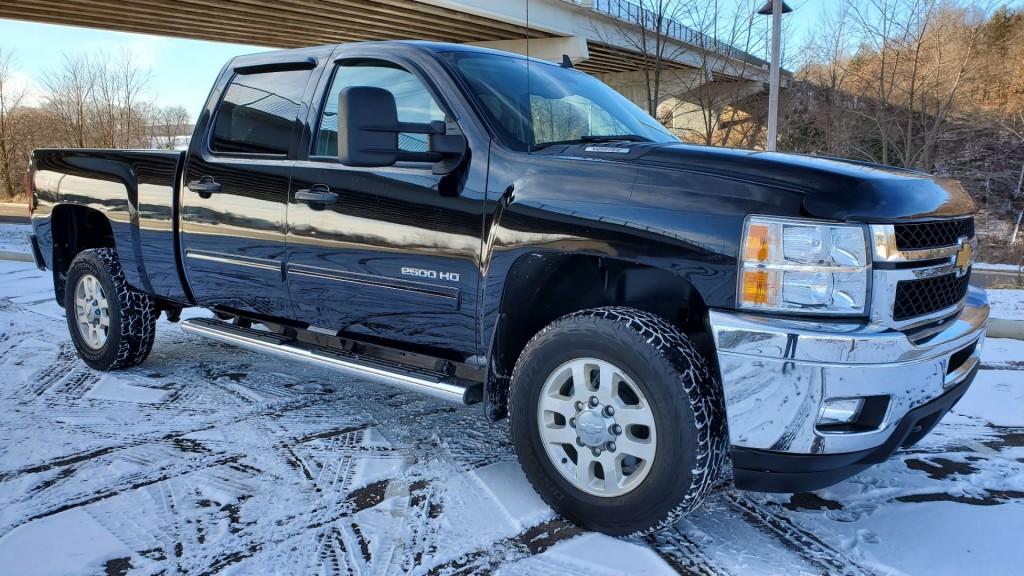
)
(843, 411)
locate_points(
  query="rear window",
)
(258, 112)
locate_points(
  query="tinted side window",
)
(258, 112)
(411, 97)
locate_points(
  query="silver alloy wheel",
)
(92, 311)
(597, 427)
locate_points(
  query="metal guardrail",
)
(635, 14)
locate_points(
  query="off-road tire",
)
(132, 313)
(685, 397)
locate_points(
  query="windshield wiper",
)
(593, 139)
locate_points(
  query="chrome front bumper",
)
(778, 373)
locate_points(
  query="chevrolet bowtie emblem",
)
(964, 256)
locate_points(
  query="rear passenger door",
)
(393, 255)
(235, 198)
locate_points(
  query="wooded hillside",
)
(936, 86)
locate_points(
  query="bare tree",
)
(11, 97)
(914, 59)
(105, 102)
(133, 82)
(642, 32)
(692, 65)
(69, 93)
(727, 96)
(100, 99)
(117, 100)
(821, 123)
(169, 123)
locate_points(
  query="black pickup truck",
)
(488, 228)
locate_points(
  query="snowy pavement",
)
(208, 459)
(13, 237)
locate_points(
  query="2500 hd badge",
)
(431, 274)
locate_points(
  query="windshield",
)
(556, 105)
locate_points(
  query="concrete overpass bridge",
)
(602, 37)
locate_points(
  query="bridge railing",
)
(638, 15)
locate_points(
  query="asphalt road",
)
(988, 278)
(14, 213)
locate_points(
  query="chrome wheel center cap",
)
(594, 428)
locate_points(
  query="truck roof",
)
(400, 45)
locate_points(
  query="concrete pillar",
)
(672, 83)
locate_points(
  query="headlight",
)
(803, 266)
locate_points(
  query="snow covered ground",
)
(1007, 304)
(1001, 267)
(12, 237)
(209, 459)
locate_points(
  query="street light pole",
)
(773, 86)
(775, 8)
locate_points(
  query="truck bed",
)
(137, 191)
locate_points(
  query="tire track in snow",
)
(62, 494)
(158, 436)
(322, 526)
(684, 554)
(530, 542)
(804, 543)
(55, 371)
(335, 526)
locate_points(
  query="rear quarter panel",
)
(135, 190)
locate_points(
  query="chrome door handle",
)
(319, 194)
(204, 186)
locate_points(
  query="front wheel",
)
(617, 420)
(112, 324)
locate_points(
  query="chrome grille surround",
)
(909, 265)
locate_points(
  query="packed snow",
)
(12, 237)
(208, 459)
(998, 267)
(1007, 304)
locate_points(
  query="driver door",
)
(387, 257)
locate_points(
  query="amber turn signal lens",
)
(757, 243)
(755, 287)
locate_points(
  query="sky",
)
(182, 71)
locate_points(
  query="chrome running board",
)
(412, 378)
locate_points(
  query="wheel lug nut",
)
(616, 429)
(579, 442)
(579, 406)
(594, 401)
(595, 451)
(610, 446)
(608, 410)
(572, 422)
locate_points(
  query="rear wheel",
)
(112, 324)
(617, 420)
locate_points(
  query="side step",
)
(429, 382)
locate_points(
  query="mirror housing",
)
(368, 129)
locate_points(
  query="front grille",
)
(927, 235)
(926, 295)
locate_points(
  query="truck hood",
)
(822, 187)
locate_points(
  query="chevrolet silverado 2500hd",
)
(488, 228)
